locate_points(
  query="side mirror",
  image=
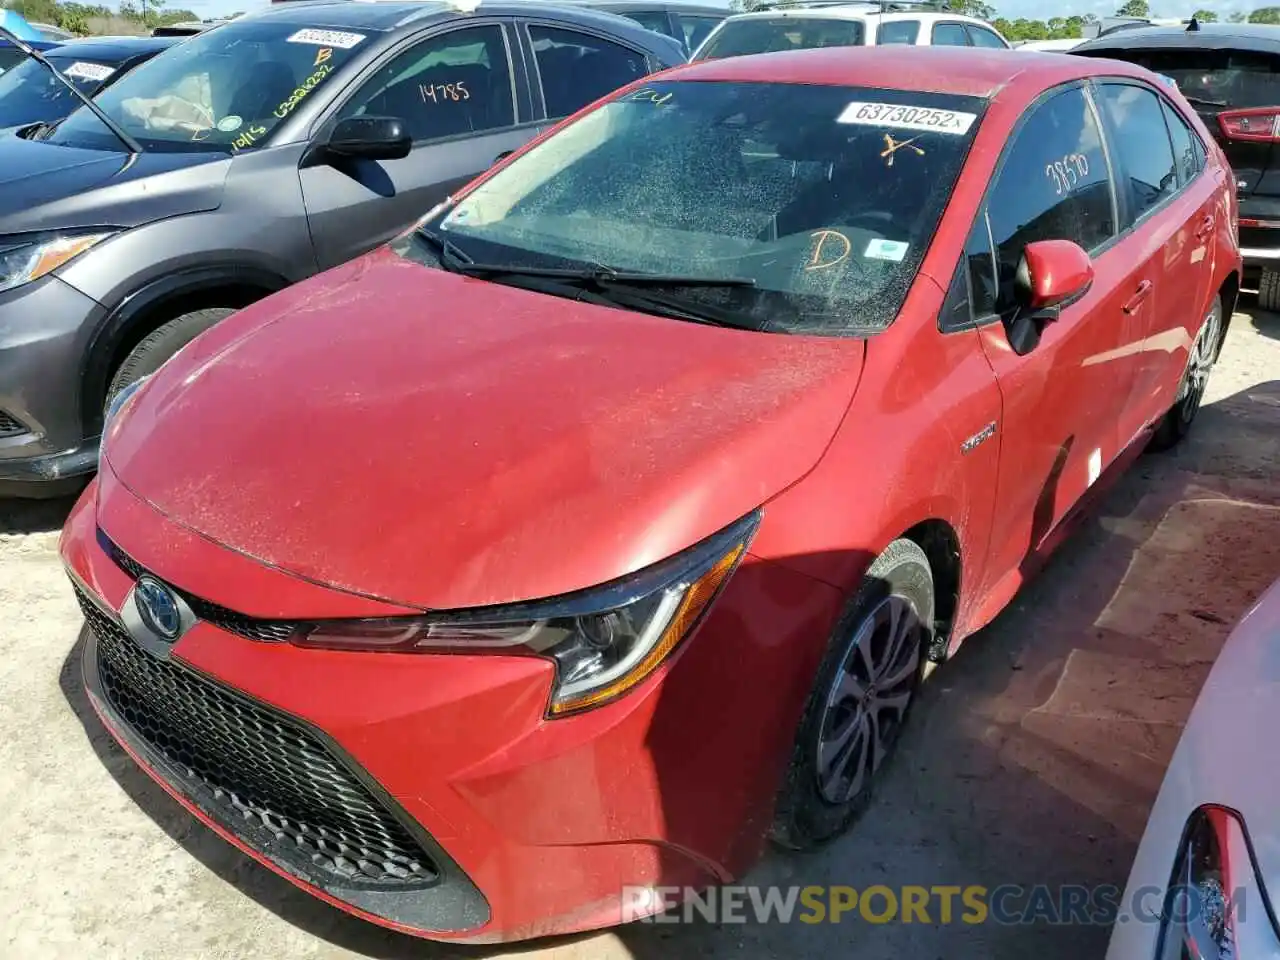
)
(370, 138)
(1052, 274)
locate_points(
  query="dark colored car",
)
(687, 22)
(29, 93)
(1230, 73)
(11, 56)
(258, 153)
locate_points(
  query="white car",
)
(1050, 46)
(1211, 850)
(826, 24)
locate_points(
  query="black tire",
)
(1177, 421)
(161, 344)
(1269, 290)
(806, 816)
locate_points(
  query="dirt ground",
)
(1033, 757)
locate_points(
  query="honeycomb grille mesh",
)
(261, 770)
(11, 426)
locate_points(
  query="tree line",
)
(133, 16)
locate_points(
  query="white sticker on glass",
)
(88, 71)
(881, 249)
(906, 117)
(327, 38)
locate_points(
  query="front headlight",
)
(604, 641)
(22, 261)
(1212, 890)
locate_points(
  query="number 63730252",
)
(1066, 172)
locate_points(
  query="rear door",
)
(947, 33)
(982, 37)
(571, 68)
(462, 94)
(1065, 399)
(1172, 212)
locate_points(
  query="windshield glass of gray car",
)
(737, 38)
(226, 89)
(824, 197)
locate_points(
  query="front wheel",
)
(860, 699)
(1176, 423)
(161, 344)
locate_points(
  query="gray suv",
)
(248, 158)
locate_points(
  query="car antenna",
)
(128, 141)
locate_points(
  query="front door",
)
(463, 102)
(1062, 399)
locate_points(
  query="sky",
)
(1011, 9)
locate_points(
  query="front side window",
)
(577, 68)
(1054, 184)
(982, 37)
(455, 83)
(818, 201)
(696, 29)
(898, 31)
(226, 89)
(950, 35)
(29, 92)
(1184, 140)
(1145, 158)
(739, 38)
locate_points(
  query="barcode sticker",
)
(327, 38)
(88, 71)
(906, 117)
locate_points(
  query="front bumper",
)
(527, 827)
(44, 331)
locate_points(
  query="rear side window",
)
(1053, 185)
(898, 31)
(1145, 174)
(451, 84)
(982, 37)
(696, 29)
(577, 68)
(1185, 156)
(950, 35)
(739, 38)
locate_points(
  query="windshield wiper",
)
(602, 285)
(132, 144)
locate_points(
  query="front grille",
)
(11, 426)
(251, 628)
(268, 777)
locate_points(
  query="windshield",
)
(1215, 79)
(224, 90)
(30, 93)
(737, 38)
(824, 199)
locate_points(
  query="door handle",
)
(1205, 228)
(1139, 295)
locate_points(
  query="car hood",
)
(444, 442)
(45, 186)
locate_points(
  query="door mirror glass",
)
(370, 138)
(1052, 273)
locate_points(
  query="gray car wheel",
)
(860, 699)
(161, 344)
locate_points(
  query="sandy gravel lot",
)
(1034, 757)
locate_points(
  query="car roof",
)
(1259, 37)
(676, 6)
(853, 11)
(967, 71)
(111, 48)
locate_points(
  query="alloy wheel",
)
(868, 699)
(1199, 366)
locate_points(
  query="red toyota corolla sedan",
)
(607, 522)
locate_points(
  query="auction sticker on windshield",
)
(327, 38)
(88, 71)
(906, 117)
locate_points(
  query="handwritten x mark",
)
(892, 146)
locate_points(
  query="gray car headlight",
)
(604, 641)
(22, 261)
